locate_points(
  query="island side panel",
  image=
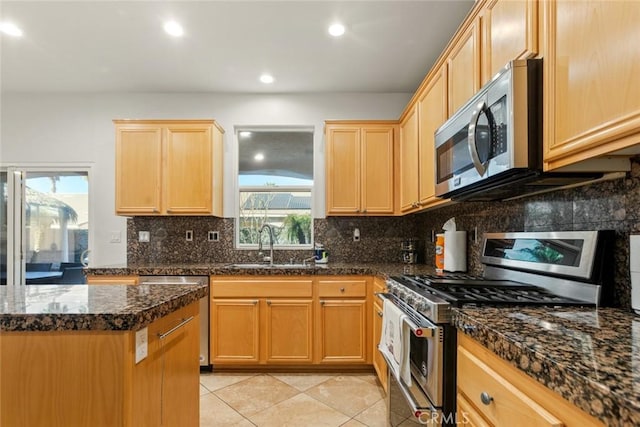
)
(62, 378)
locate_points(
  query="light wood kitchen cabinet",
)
(235, 331)
(359, 168)
(168, 167)
(509, 31)
(90, 377)
(166, 384)
(409, 161)
(491, 392)
(343, 331)
(591, 85)
(261, 320)
(289, 333)
(463, 65)
(417, 145)
(379, 364)
(93, 279)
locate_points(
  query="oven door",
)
(425, 353)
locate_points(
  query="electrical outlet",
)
(142, 344)
(143, 236)
(213, 236)
(116, 237)
(356, 234)
(188, 235)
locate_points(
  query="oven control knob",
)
(486, 398)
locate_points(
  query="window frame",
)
(264, 189)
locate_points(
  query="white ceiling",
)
(108, 46)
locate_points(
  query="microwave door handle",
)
(471, 138)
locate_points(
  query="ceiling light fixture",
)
(10, 29)
(258, 157)
(336, 30)
(267, 79)
(173, 29)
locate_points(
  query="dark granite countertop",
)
(591, 357)
(227, 269)
(91, 307)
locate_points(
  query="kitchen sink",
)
(271, 266)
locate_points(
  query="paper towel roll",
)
(455, 250)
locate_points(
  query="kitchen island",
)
(68, 355)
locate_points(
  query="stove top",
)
(459, 289)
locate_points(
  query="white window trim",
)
(237, 188)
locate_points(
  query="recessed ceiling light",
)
(245, 134)
(336, 30)
(267, 79)
(10, 29)
(173, 29)
(258, 157)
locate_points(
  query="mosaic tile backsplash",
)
(611, 205)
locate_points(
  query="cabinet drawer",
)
(505, 404)
(342, 288)
(379, 285)
(261, 288)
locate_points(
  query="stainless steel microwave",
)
(491, 148)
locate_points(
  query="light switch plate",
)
(142, 345)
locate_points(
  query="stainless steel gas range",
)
(539, 268)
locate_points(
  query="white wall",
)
(53, 128)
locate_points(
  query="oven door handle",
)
(471, 138)
(418, 331)
(419, 403)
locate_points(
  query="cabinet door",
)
(138, 161)
(591, 84)
(343, 170)
(234, 331)
(510, 31)
(377, 170)
(188, 170)
(342, 331)
(464, 68)
(432, 113)
(408, 171)
(289, 331)
(379, 364)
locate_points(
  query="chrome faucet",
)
(270, 229)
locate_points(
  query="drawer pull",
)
(341, 289)
(379, 313)
(175, 328)
(486, 398)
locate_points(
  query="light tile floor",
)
(296, 400)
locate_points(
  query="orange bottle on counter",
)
(439, 252)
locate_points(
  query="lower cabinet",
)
(166, 384)
(342, 321)
(301, 320)
(261, 320)
(379, 363)
(90, 378)
(491, 392)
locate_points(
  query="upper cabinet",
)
(509, 31)
(359, 167)
(463, 65)
(408, 172)
(168, 167)
(591, 84)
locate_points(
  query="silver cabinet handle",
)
(486, 398)
(175, 328)
(379, 313)
(471, 138)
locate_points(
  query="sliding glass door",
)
(45, 222)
